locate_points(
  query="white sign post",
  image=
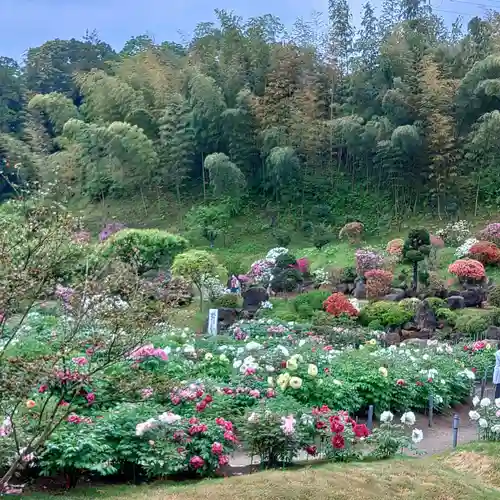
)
(213, 320)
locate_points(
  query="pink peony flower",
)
(217, 448)
(80, 361)
(90, 397)
(197, 462)
(223, 460)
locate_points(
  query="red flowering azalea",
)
(467, 268)
(338, 442)
(337, 304)
(485, 252)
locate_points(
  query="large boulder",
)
(474, 297)
(425, 319)
(396, 295)
(253, 298)
(493, 333)
(392, 338)
(456, 302)
(359, 290)
(226, 317)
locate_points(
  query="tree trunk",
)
(415, 276)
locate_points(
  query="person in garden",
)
(496, 372)
(235, 285)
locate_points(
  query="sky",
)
(29, 23)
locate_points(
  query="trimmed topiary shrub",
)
(286, 280)
(310, 301)
(444, 314)
(435, 303)
(229, 300)
(285, 260)
(145, 249)
(385, 313)
(417, 246)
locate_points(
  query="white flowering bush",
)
(321, 277)
(486, 414)
(274, 253)
(464, 249)
(455, 233)
(391, 438)
(213, 288)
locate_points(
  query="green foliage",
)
(435, 303)
(285, 260)
(230, 300)
(286, 280)
(385, 314)
(471, 324)
(226, 178)
(307, 303)
(282, 237)
(209, 220)
(494, 296)
(145, 249)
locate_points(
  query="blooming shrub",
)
(464, 249)
(395, 247)
(261, 270)
(486, 414)
(491, 233)
(469, 269)
(436, 241)
(202, 447)
(485, 252)
(321, 276)
(455, 233)
(367, 259)
(302, 265)
(378, 283)
(337, 304)
(274, 253)
(353, 231)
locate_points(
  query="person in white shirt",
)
(496, 372)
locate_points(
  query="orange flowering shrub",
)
(467, 269)
(338, 304)
(395, 247)
(378, 283)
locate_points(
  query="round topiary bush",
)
(417, 246)
(285, 260)
(385, 313)
(286, 280)
(228, 300)
(313, 300)
(410, 304)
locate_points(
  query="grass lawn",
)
(472, 472)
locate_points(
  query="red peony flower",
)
(420, 384)
(360, 430)
(193, 420)
(320, 424)
(196, 462)
(336, 426)
(208, 398)
(228, 425)
(201, 406)
(229, 436)
(43, 388)
(90, 397)
(219, 421)
(311, 450)
(400, 381)
(338, 442)
(217, 448)
(223, 460)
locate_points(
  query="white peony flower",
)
(485, 402)
(383, 371)
(408, 418)
(253, 346)
(295, 382)
(269, 368)
(417, 435)
(483, 423)
(474, 415)
(209, 356)
(475, 401)
(253, 418)
(386, 417)
(497, 402)
(237, 363)
(169, 418)
(495, 428)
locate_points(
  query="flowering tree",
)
(52, 382)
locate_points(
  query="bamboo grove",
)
(399, 114)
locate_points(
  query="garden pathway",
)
(437, 439)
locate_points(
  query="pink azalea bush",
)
(467, 269)
(491, 233)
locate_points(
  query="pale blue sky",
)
(28, 23)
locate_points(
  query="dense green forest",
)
(399, 116)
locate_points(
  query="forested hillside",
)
(396, 117)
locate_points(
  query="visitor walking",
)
(496, 372)
(235, 285)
